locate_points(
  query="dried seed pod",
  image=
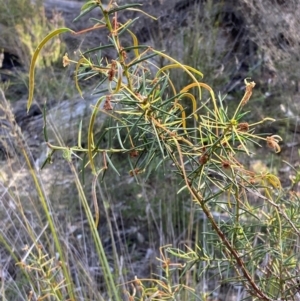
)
(243, 127)
(248, 92)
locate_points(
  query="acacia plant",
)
(256, 240)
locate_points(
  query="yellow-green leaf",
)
(34, 59)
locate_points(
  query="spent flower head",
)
(273, 142)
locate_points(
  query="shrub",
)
(247, 228)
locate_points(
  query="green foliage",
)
(247, 227)
(23, 25)
(35, 60)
